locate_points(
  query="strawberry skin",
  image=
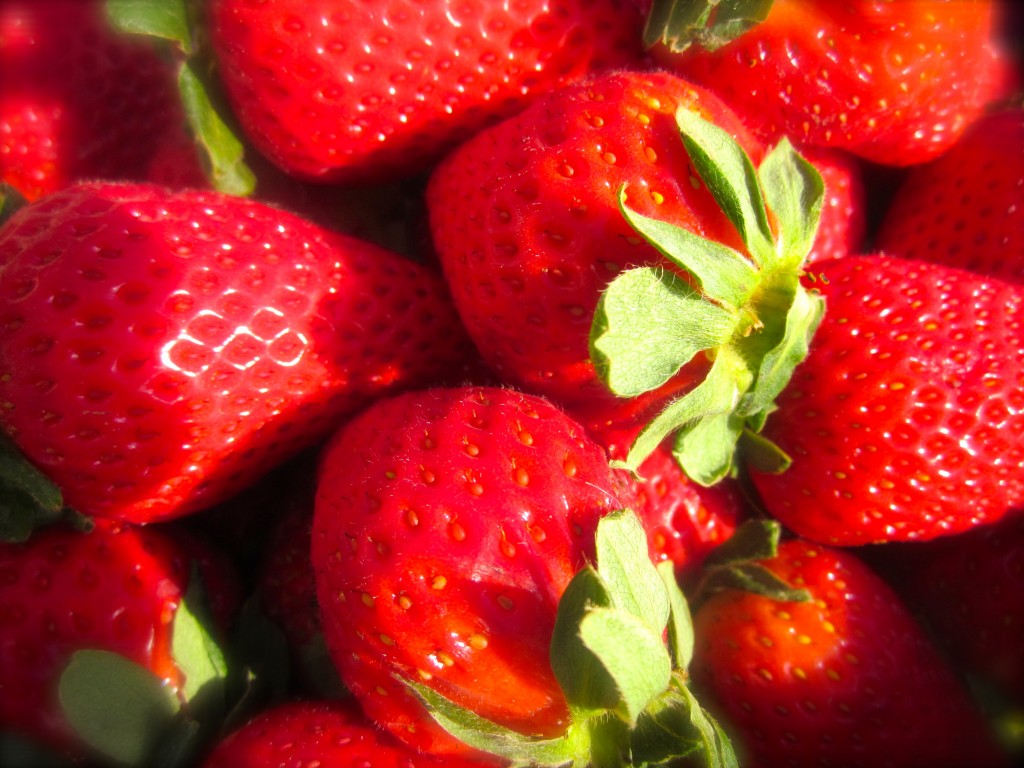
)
(905, 421)
(525, 220)
(313, 733)
(847, 678)
(336, 91)
(965, 208)
(162, 351)
(896, 83)
(448, 524)
(115, 588)
(79, 100)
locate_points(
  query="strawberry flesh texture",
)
(79, 100)
(447, 525)
(905, 420)
(116, 588)
(161, 352)
(846, 679)
(965, 208)
(526, 223)
(896, 83)
(350, 90)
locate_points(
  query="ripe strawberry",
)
(116, 588)
(448, 523)
(339, 91)
(965, 208)
(313, 733)
(845, 678)
(905, 420)
(162, 351)
(896, 83)
(79, 101)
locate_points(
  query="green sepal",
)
(761, 454)
(732, 180)
(716, 747)
(680, 624)
(118, 707)
(794, 192)
(11, 201)
(164, 19)
(753, 540)
(495, 739)
(624, 565)
(647, 325)
(705, 450)
(710, 24)
(198, 655)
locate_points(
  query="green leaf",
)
(710, 24)
(718, 393)
(624, 564)
(754, 540)
(794, 192)
(730, 177)
(633, 654)
(11, 201)
(680, 625)
(715, 745)
(705, 450)
(165, 19)
(588, 688)
(229, 173)
(198, 656)
(28, 498)
(755, 579)
(762, 454)
(722, 274)
(737, 564)
(648, 324)
(487, 736)
(116, 706)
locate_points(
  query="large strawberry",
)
(906, 419)
(896, 83)
(844, 677)
(337, 91)
(78, 100)
(114, 591)
(965, 208)
(161, 351)
(534, 217)
(454, 540)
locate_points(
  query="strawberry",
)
(844, 677)
(117, 589)
(905, 420)
(162, 351)
(896, 83)
(313, 733)
(454, 541)
(965, 208)
(79, 101)
(342, 91)
(534, 218)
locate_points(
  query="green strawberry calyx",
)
(620, 649)
(709, 24)
(748, 314)
(170, 21)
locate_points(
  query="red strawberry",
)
(162, 351)
(906, 419)
(338, 91)
(845, 678)
(114, 589)
(79, 101)
(333, 734)
(965, 208)
(448, 523)
(896, 83)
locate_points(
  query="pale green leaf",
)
(794, 192)
(706, 449)
(198, 655)
(625, 567)
(165, 19)
(680, 625)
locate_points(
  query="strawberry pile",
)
(539, 383)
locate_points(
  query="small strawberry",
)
(160, 351)
(965, 208)
(454, 541)
(116, 589)
(342, 91)
(896, 83)
(906, 419)
(79, 100)
(333, 734)
(845, 677)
